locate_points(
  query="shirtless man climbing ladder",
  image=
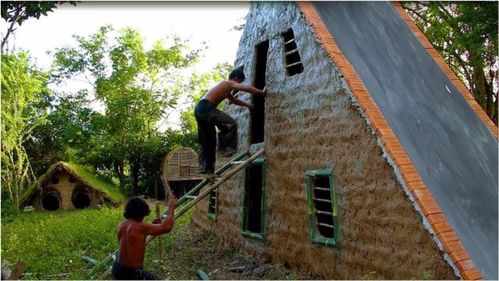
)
(208, 116)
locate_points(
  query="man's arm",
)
(246, 88)
(239, 102)
(166, 225)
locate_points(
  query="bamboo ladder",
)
(223, 174)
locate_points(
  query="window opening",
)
(55, 179)
(323, 221)
(254, 203)
(81, 197)
(51, 200)
(212, 205)
(258, 112)
(292, 56)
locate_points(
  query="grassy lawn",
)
(52, 243)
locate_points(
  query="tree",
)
(70, 125)
(22, 88)
(137, 87)
(16, 12)
(465, 34)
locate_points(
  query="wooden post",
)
(160, 241)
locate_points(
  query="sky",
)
(210, 22)
(197, 21)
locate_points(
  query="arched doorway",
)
(51, 200)
(81, 197)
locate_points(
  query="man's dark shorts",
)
(121, 272)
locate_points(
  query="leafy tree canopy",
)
(137, 87)
(23, 87)
(17, 12)
(466, 35)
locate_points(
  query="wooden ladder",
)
(224, 173)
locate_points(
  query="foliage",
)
(466, 35)
(54, 251)
(71, 124)
(16, 12)
(137, 88)
(22, 88)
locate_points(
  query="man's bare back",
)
(132, 240)
(132, 234)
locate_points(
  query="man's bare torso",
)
(132, 243)
(218, 93)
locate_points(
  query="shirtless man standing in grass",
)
(132, 235)
(208, 116)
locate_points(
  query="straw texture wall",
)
(312, 121)
(182, 165)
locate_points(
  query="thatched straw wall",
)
(182, 165)
(312, 122)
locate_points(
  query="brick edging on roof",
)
(447, 70)
(429, 207)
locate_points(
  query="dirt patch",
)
(195, 250)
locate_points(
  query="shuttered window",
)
(292, 56)
(322, 209)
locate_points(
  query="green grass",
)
(100, 182)
(52, 243)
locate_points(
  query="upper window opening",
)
(258, 113)
(55, 179)
(292, 56)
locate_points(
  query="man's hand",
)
(172, 203)
(264, 91)
(250, 106)
(156, 221)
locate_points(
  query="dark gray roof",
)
(454, 152)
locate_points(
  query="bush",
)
(9, 211)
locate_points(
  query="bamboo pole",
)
(204, 181)
(213, 187)
(219, 182)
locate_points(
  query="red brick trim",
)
(410, 175)
(447, 70)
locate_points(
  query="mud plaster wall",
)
(312, 122)
(65, 188)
